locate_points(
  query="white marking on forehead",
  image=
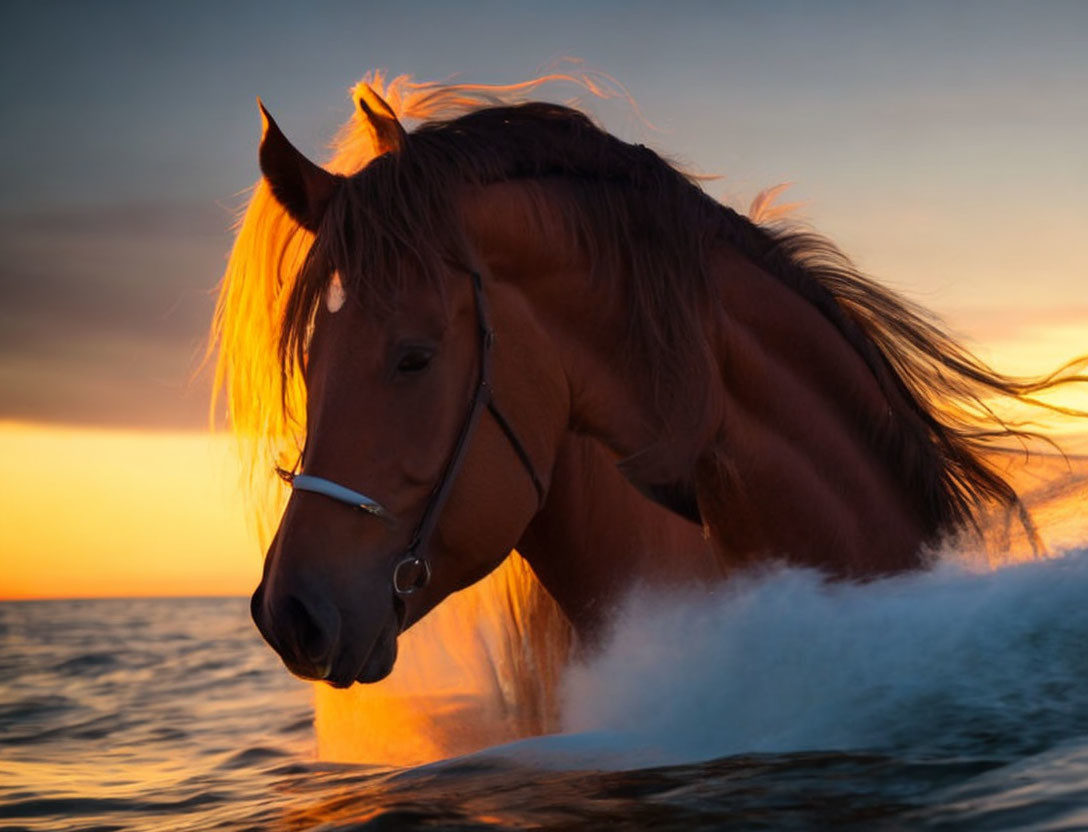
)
(335, 294)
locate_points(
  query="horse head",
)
(409, 444)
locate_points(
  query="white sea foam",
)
(992, 663)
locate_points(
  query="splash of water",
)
(983, 654)
(983, 663)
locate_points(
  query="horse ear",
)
(300, 186)
(389, 134)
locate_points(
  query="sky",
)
(939, 144)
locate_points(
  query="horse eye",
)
(413, 362)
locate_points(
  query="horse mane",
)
(639, 220)
(633, 214)
(947, 401)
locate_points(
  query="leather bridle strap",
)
(515, 443)
(412, 571)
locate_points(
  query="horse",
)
(591, 513)
(500, 280)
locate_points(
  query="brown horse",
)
(502, 279)
(591, 515)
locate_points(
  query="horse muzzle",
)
(315, 641)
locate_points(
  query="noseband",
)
(412, 571)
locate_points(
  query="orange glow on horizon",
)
(114, 513)
(1037, 347)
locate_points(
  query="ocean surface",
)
(951, 699)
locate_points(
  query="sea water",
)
(947, 699)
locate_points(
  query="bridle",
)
(412, 571)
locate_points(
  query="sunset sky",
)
(940, 144)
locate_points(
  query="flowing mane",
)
(640, 220)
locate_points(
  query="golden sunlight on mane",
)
(420, 101)
(765, 208)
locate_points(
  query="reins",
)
(412, 570)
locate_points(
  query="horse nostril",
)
(256, 600)
(259, 614)
(314, 632)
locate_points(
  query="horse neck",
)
(524, 241)
(783, 421)
(596, 537)
(799, 467)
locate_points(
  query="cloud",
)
(104, 310)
